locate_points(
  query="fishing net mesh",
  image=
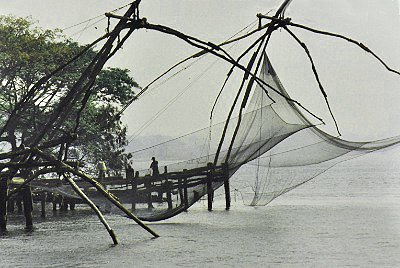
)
(273, 135)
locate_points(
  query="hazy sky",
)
(363, 96)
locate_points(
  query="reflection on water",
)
(349, 217)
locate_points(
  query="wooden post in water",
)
(210, 191)
(3, 204)
(28, 206)
(72, 203)
(226, 187)
(134, 190)
(18, 201)
(180, 191)
(64, 203)
(43, 204)
(185, 190)
(227, 195)
(54, 201)
(130, 176)
(148, 190)
(10, 205)
(168, 188)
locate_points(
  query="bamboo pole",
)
(227, 187)
(93, 206)
(227, 195)
(130, 176)
(210, 191)
(148, 188)
(168, 188)
(28, 206)
(43, 204)
(3, 204)
(185, 191)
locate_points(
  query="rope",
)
(159, 113)
(199, 54)
(98, 16)
(314, 69)
(150, 121)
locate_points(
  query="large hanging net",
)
(274, 135)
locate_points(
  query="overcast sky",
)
(363, 96)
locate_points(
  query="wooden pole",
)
(227, 195)
(210, 191)
(180, 190)
(43, 204)
(18, 201)
(28, 206)
(64, 203)
(185, 190)
(3, 204)
(130, 177)
(148, 190)
(93, 206)
(134, 190)
(72, 202)
(54, 201)
(168, 188)
(226, 187)
(10, 205)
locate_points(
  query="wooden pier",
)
(177, 189)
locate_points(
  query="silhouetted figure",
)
(101, 166)
(154, 167)
(148, 184)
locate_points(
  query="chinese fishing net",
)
(273, 134)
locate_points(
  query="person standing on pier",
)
(101, 166)
(154, 167)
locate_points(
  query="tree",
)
(28, 53)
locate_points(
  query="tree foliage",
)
(28, 53)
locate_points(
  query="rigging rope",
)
(98, 16)
(199, 54)
(148, 123)
(185, 89)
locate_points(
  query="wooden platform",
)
(148, 189)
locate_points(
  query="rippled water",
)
(349, 217)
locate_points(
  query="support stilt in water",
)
(185, 192)
(209, 196)
(28, 206)
(72, 202)
(3, 204)
(210, 192)
(18, 201)
(43, 204)
(148, 187)
(11, 205)
(64, 203)
(227, 188)
(227, 195)
(180, 191)
(94, 207)
(54, 201)
(168, 188)
(131, 176)
(169, 194)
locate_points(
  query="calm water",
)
(349, 217)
